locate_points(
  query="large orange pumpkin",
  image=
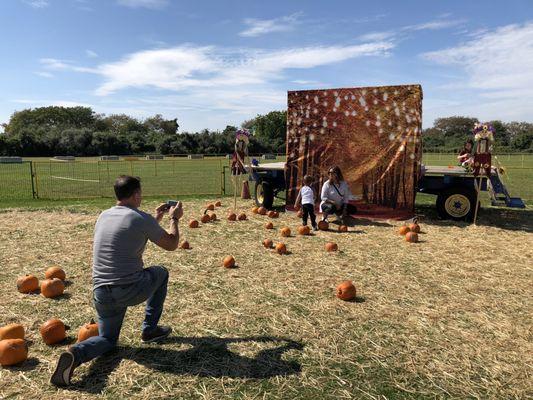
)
(55, 272)
(304, 230)
(346, 291)
(255, 210)
(343, 228)
(228, 262)
(218, 203)
(262, 210)
(13, 351)
(193, 223)
(269, 225)
(414, 228)
(281, 248)
(330, 246)
(87, 331)
(411, 237)
(12, 331)
(53, 331)
(52, 287)
(210, 207)
(232, 217)
(213, 217)
(27, 284)
(185, 245)
(323, 225)
(268, 243)
(285, 232)
(242, 217)
(205, 219)
(403, 230)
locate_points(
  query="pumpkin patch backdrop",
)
(372, 133)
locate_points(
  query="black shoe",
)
(65, 366)
(158, 334)
(315, 228)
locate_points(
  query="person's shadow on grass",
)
(208, 357)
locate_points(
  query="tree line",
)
(79, 131)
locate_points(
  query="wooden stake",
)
(477, 199)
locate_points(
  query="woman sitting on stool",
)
(336, 195)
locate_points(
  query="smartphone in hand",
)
(170, 203)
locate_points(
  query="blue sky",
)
(215, 63)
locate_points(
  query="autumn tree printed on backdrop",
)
(372, 134)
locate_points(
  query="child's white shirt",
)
(307, 195)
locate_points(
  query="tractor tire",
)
(457, 203)
(264, 194)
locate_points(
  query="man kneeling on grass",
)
(119, 279)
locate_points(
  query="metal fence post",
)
(32, 184)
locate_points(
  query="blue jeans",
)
(111, 303)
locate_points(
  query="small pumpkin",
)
(304, 230)
(27, 284)
(12, 331)
(276, 214)
(210, 207)
(281, 248)
(414, 228)
(255, 210)
(232, 217)
(285, 232)
(242, 217)
(343, 228)
(53, 331)
(346, 291)
(262, 210)
(403, 230)
(218, 203)
(411, 237)
(268, 243)
(213, 217)
(13, 351)
(330, 246)
(272, 214)
(193, 223)
(55, 272)
(205, 219)
(228, 262)
(87, 331)
(323, 225)
(300, 214)
(52, 287)
(185, 245)
(269, 225)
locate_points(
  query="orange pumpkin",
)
(262, 210)
(193, 223)
(232, 217)
(213, 217)
(87, 331)
(228, 262)
(255, 210)
(346, 291)
(403, 230)
(411, 237)
(276, 214)
(272, 214)
(185, 245)
(268, 243)
(414, 228)
(27, 284)
(323, 225)
(52, 287)
(330, 246)
(304, 230)
(281, 248)
(13, 351)
(53, 331)
(300, 214)
(205, 219)
(285, 232)
(269, 225)
(210, 207)
(55, 272)
(343, 228)
(242, 217)
(218, 203)
(12, 331)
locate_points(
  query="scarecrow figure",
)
(238, 169)
(484, 137)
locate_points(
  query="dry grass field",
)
(449, 317)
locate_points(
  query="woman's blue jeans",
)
(111, 303)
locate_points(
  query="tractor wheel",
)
(264, 194)
(456, 203)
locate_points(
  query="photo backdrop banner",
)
(372, 133)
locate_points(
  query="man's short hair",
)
(125, 186)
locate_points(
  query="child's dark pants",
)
(309, 211)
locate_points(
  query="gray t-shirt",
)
(120, 236)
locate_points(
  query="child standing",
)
(306, 197)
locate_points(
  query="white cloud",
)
(37, 3)
(91, 54)
(44, 74)
(152, 4)
(63, 65)
(257, 27)
(434, 25)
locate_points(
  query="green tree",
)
(270, 129)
